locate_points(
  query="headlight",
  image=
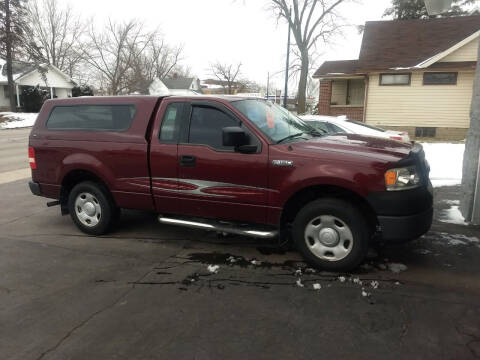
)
(402, 178)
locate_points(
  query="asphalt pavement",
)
(151, 291)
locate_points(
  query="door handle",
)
(187, 160)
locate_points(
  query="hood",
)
(356, 145)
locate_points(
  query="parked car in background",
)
(229, 164)
(340, 124)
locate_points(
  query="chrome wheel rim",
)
(328, 238)
(88, 209)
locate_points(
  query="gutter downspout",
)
(365, 100)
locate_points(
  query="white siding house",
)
(57, 83)
(415, 75)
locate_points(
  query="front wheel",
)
(92, 208)
(331, 234)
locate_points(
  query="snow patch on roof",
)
(403, 68)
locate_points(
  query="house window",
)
(425, 132)
(348, 92)
(395, 79)
(440, 78)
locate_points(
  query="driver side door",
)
(215, 181)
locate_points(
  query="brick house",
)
(413, 75)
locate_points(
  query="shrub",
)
(82, 90)
(33, 98)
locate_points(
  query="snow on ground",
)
(446, 239)
(452, 216)
(213, 268)
(446, 161)
(397, 267)
(17, 120)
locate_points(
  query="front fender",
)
(289, 181)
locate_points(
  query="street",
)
(146, 291)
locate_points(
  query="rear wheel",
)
(331, 234)
(92, 208)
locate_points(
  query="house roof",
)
(407, 43)
(178, 83)
(337, 67)
(19, 68)
(401, 44)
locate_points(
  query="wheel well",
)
(309, 194)
(73, 178)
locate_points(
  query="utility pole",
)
(285, 96)
(470, 192)
(8, 45)
(470, 200)
(268, 82)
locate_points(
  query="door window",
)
(171, 123)
(206, 126)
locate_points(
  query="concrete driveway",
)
(145, 291)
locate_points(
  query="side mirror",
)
(234, 136)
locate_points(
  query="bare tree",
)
(227, 74)
(161, 59)
(157, 60)
(113, 51)
(310, 21)
(56, 34)
(127, 57)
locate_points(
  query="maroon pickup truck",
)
(229, 164)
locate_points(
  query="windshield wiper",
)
(316, 132)
(289, 137)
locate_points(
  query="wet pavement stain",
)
(237, 260)
(216, 271)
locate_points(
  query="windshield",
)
(274, 121)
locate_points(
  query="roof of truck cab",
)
(229, 98)
(137, 98)
(103, 100)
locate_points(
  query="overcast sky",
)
(229, 31)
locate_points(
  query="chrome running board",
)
(220, 227)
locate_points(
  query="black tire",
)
(106, 216)
(346, 214)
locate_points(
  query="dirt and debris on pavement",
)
(153, 291)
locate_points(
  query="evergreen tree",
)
(415, 9)
(13, 26)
